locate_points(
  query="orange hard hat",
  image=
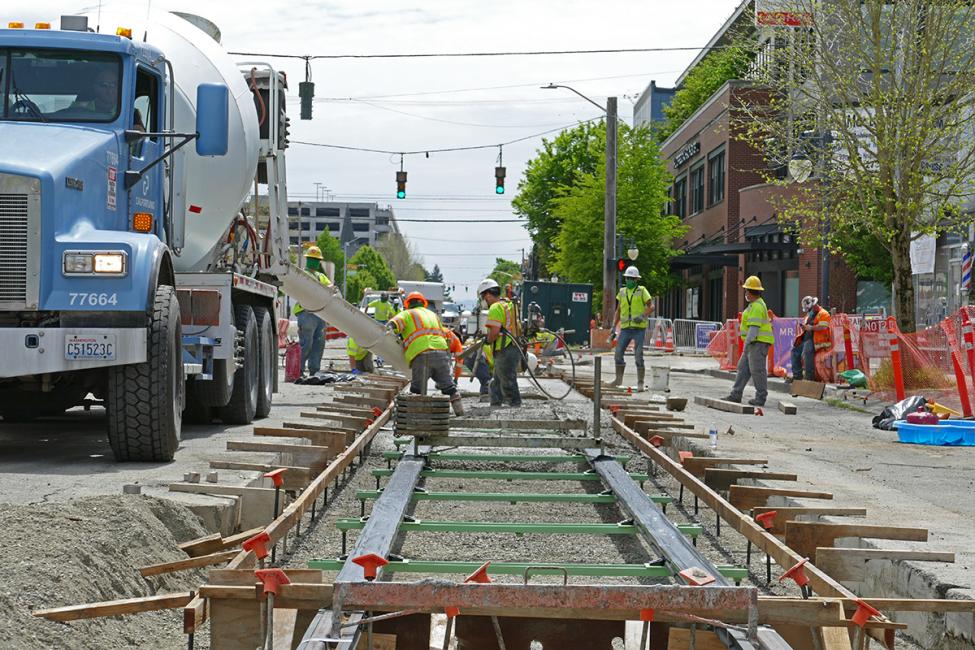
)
(416, 295)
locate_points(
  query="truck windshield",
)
(59, 86)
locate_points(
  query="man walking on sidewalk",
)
(756, 329)
(633, 308)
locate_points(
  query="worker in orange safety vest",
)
(813, 335)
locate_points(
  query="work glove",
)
(639, 320)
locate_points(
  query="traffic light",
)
(306, 91)
(621, 264)
(499, 173)
(400, 185)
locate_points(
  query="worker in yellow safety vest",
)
(633, 308)
(311, 327)
(756, 330)
(360, 358)
(502, 325)
(426, 348)
(383, 309)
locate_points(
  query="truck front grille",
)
(14, 232)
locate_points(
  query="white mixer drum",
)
(215, 186)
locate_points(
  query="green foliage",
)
(401, 257)
(641, 196)
(332, 252)
(372, 263)
(863, 251)
(435, 275)
(716, 69)
(560, 163)
(505, 271)
(359, 281)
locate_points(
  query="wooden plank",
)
(202, 545)
(850, 564)
(348, 409)
(295, 478)
(745, 497)
(191, 563)
(806, 536)
(789, 513)
(697, 464)
(788, 408)
(217, 489)
(724, 405)
(680, 639)
(279, 447)
(244, 578)
(318, 437)
(666, 432)
(195, 614)
(888, 604)
(240, 538)
(116, 607)
(835, 638)
(722, 479)
(661, 424)
(363, 399)
(804, 388)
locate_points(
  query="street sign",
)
(781, 13)
(580, 296)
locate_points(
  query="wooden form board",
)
(790, 513)
(317, 437)
(806, 536)
(745, 497)
(213, 543)
(116, 607)
(697, 464)
(788, 408)
(680, 639)
(190, 563)
(724, 405)
(362, 399)
(722, 479)
(850, 564)
(804, 388)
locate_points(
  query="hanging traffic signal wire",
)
(434, 55)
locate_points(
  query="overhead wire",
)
(443, 55)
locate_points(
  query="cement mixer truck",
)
(132, 265)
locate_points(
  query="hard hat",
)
(314, 252)
(631, 272)
(753, 284)
(486, 283)
(416, 295)
(808, 302)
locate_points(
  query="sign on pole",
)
(781, 13)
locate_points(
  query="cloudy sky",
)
(434, 103)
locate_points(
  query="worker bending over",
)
(756, 329)
(384, 310)
(813, 336)
(502, 325)
(311, 327)
(360, 358)
(633, 308)
(426, 348)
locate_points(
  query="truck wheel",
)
(217, 391)
(243, 402)
(145, 401)
(266, 340)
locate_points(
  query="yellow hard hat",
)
(315, 252)
(753, 284)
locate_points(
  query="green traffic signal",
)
(499, 189)
(401, 194)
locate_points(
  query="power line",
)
(460, 220)
(442, 55)
(454, 122)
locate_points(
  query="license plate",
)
(83, 348)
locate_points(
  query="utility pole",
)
(609, 234)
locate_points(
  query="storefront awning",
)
(695, 259)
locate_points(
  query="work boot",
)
(457, 404)
(619, 376)
(484, 399)
(731, 398)
(640, 374)
(756, 402)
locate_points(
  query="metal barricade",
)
(660, 335)
(693, 335)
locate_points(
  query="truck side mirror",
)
(212, 119)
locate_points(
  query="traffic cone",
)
(669, 344)
(658, 339)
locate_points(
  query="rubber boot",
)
(457, 404)
(641, 373)
(619, 376)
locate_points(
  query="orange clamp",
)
(258, 544)
(370, 564)
(272, 579)
(276, 476)
(863, 613)
(377, 411)
(451, 612)
(684, 455)
(646, 615)
(798, 574)
(657, 441)
(614, 408)
(766, 519)
(480, 576)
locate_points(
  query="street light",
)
(609, 231)
(345, 260)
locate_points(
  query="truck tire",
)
(243, 402)
(266, 341)
(216, 392)
(145, 401)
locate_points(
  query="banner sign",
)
(781, 13)
(702, 334)
(784, 330)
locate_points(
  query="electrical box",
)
(564, 305)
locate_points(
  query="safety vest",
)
(384, 310)
(355, 351)
(323, 279)
(821, 339)
(632, 304)
(756, 313)
(503, 313)
(420, 329)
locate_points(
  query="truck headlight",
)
(107, 263)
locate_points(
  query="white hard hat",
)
(631, 272)
(808, 302)
(532, 362)
(486, 283)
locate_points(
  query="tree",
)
(401, 257)
(505, 271)
(641, 196)
(359, 281)
(435, 275)
(367, 260)
(560, 163)
(879, 97)
(332, 252)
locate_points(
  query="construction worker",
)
(756, 330)
(311, 327)
(383, 309)
(426, 348)
(502, 325)
(633, 308)
(360, 358)
(813, 336)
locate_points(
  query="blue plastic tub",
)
(949, 433)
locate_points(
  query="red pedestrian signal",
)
(621, 264)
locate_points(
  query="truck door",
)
(144, 115)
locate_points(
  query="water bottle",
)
(713, 435)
